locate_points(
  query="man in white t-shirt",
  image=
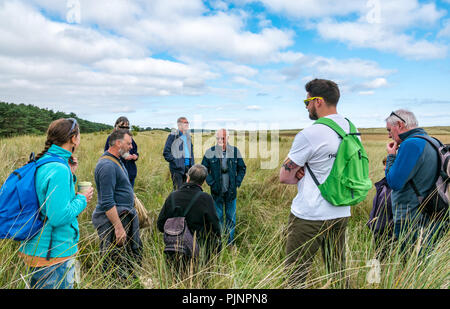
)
(313, 222)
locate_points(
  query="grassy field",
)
(263, 206)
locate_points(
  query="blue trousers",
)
(230, 217)
(59, 276)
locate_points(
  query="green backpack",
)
(348, 182)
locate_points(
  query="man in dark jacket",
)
(414, 163)
(202, 217)
(179, 152)
(130, 158)
(226, 170)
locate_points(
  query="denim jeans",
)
(59, 276)
(230, 217)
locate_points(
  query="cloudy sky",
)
(237, 63)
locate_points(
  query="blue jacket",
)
(416, 160)
(55, 189)
(236, 170)
(174, 152)
(130, 165)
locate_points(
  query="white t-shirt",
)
(316, 145)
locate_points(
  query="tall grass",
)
(263, 206)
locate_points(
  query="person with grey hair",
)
(115, 216)
(179, 152)
(411, 171)
(226, 171)
(202, 218)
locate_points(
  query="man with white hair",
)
(411, 171)
(226, 170)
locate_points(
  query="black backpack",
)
(436, 203)
(178, 239)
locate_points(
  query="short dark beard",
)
(313, 114)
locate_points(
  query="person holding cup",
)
(50, 255)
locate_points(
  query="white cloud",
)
(445, 31)
(253, 108)
(384, 30)
(382, 38)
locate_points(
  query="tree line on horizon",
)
(22, 119)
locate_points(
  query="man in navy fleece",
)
(410, 160)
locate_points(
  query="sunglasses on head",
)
(74, 123)
(394, 114)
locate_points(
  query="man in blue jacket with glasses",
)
(412, 165)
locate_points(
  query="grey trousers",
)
(304, 239)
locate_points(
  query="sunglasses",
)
(394, 114)
(74, 123)
(310, 99)
(124, 127)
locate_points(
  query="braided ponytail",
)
(48, 144)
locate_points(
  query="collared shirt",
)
(187, 154)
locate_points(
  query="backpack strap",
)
(188, 208)
(39, 163)
(432, 141)
(113, 160)
(335, 127)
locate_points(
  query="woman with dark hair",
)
(129, 159)
(51, 253)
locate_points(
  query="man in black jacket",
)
(179, 152)
(202, 217)
(226, 170)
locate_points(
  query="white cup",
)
(83, 186)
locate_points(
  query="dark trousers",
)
(179, 178)
(120, 260)
(305, 237)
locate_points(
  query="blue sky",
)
(240, 64)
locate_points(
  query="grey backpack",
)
(178, 239)
(436, 203)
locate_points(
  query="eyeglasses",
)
(394, 114)
(124, 127)
(74, 123)
(310, 99)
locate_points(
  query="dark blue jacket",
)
(381, 218)
(416, 159)
(174, 152)
(130, 165)
(236, 170)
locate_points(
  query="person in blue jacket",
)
(128, 160)
(410, 161)
(51, 253)
(179, 152)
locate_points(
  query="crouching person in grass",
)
(115, 217)
(196, 210)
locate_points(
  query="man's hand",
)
(290, 173)
(121, 234)
(392, 148)
(300, 173)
